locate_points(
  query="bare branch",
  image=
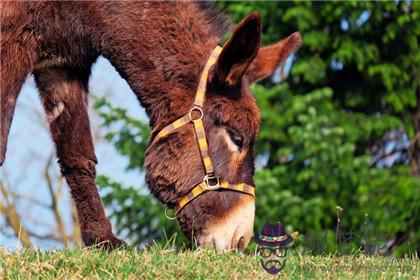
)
(387, 154)
(77, 237)
(46, 236)
(29, 198)
(13, 218)
(54, 202)
(32, 234)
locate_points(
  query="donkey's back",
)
(161, 49)
(57, 42)
(36, 36)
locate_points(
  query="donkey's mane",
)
(160, 49)
(216, 19)
(176, 40)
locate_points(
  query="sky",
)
(30, 146)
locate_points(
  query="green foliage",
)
(352, 83)
(313, 167)
(138, 216)
(130, 136)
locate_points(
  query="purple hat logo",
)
(273, 241)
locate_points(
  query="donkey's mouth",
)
(231, 231)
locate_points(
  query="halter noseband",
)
(210, 181)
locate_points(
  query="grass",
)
(160, 263)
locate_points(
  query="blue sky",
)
(30, 146)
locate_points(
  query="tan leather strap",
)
(202, 144)
(202, 86)
(203, 187)
(173, 126)
(210, 181)
(199, 98)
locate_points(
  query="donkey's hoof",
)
(108, 242)
(112, 243)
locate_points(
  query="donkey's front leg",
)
(63, 93)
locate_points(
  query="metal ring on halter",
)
(212, 182)
(167, 216)
(196, 108)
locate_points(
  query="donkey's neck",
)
(160, 49)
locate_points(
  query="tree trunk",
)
(414, 152)
(415, 142)
(13, 218)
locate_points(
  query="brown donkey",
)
(161, 49)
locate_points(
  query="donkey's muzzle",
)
(231, 231)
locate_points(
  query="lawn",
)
(160, 263)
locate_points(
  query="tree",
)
(363, 57)
(137, 215)
(332, 130)
(20, 210)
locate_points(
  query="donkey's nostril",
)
(214, 243)
(241, 243)
(234, 231)
(237, 239)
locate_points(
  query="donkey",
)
(160, 49)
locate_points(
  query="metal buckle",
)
(167, 216)
(196, 108)
(211, 187)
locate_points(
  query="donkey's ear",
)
(239, 51)
(271, 57)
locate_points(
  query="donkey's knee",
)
(81, 167)
(63, 95)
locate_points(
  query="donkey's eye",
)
(236, 138)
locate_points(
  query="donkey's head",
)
(175, 163)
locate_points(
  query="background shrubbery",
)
(335, 133)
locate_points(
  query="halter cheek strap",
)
(210, 181)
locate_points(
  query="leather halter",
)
(210, 181)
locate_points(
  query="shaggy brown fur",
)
(160, 48)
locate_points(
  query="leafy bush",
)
(324, 141)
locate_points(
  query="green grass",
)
(160, 263)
